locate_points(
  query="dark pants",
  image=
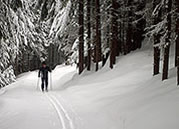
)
(44, 80)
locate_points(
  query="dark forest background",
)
(84, 32)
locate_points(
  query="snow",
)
(18, 32)
(127, 97)
(61, 19)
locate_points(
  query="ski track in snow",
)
(2, 91)
(69, 108)
(66, 121)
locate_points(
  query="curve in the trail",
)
(60, 116)
(61, 112)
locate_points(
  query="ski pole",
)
(51, 81)
(37, 83)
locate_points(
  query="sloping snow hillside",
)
(127, 97)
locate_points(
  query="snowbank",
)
(127, 97)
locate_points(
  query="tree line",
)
(86, 32)
(115, 27)
(23, 39)
(112, 28)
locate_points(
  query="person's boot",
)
(46, 89)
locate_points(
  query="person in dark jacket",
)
(43, 73)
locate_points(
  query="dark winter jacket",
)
(43, 72)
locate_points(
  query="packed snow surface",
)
(127, 97)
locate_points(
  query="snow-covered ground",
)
(127, 97)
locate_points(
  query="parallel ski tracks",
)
(64, 118)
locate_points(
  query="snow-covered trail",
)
(65, 120)
(25, 107)
(127, 97)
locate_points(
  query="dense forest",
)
(85, 32)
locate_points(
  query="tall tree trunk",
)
(98, 34)
(16, 66)
(89, 33)
(23, 61)
(52, 55)
(114, 48)
(119, 20)
(156, 58)
(177, 34)
(93, 30)
(120, 34)
(167, 45)
(140, 27)
(28, 61)
(117, 34)
(156, 41)
(124, 36)
(129, 28)
(178, 71)
(177, 42)
(166, 62)
(81, 36)
(49, 59)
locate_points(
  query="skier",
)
(43, 73)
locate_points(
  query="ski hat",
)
(43, 63)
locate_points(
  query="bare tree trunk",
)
(123, 35)
(129, 28)
(177, 34)
(156, 41)
(167, 46)
(89, 33)
(49, 55)
(177, 42)
(114, 37)
(116, 28)
(156, 60)
(120, 35)
(140, 27)
(28, 61)
(81, 36)
(178, 71)
(17, 65)
(117, 32)
(98, 34)
(52, 55)
(23, 61)
(165, 62)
